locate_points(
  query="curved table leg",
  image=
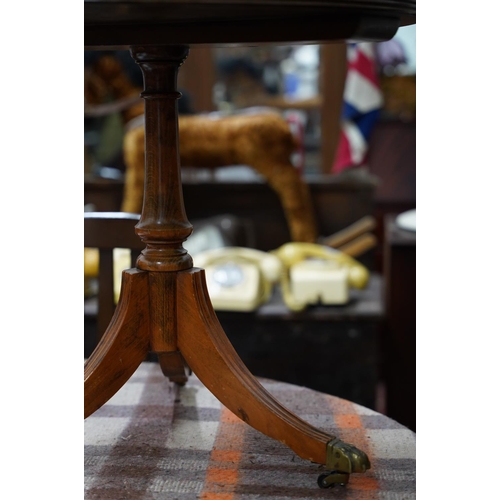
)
(179, 321)
(213, 359)
(123, 346)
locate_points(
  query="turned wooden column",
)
(165, 307)
(163, 226)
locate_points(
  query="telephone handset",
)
(314, 273)
(239, 279)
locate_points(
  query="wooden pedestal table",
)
(164, 305)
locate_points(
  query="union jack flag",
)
(363, 101)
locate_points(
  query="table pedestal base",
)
(165, 308)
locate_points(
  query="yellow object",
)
(318, 280)
(91, 262)
(90, 271)
(317, 273)
(242, 279)
(121, 261)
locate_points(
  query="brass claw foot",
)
(342, 459)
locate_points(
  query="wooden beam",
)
(197, 77)
(333, 71)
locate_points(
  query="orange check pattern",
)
(155, 441)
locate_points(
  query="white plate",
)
(407, 220)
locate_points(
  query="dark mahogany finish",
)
(219, 22)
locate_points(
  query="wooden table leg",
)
(124, 345)
(166, 308)
(208, 352)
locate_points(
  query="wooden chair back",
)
(106, 231)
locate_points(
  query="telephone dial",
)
(241, 279)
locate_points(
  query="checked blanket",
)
(154, 440)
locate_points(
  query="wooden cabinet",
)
(332, 349)
(399, 335)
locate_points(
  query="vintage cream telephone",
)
(239, 279)
(314, 274)
(242, 279)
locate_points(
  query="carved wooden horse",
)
(261, 141)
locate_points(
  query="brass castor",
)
(342, 459)
(330, 479)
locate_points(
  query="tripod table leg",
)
(210, 355)
(123, 346)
